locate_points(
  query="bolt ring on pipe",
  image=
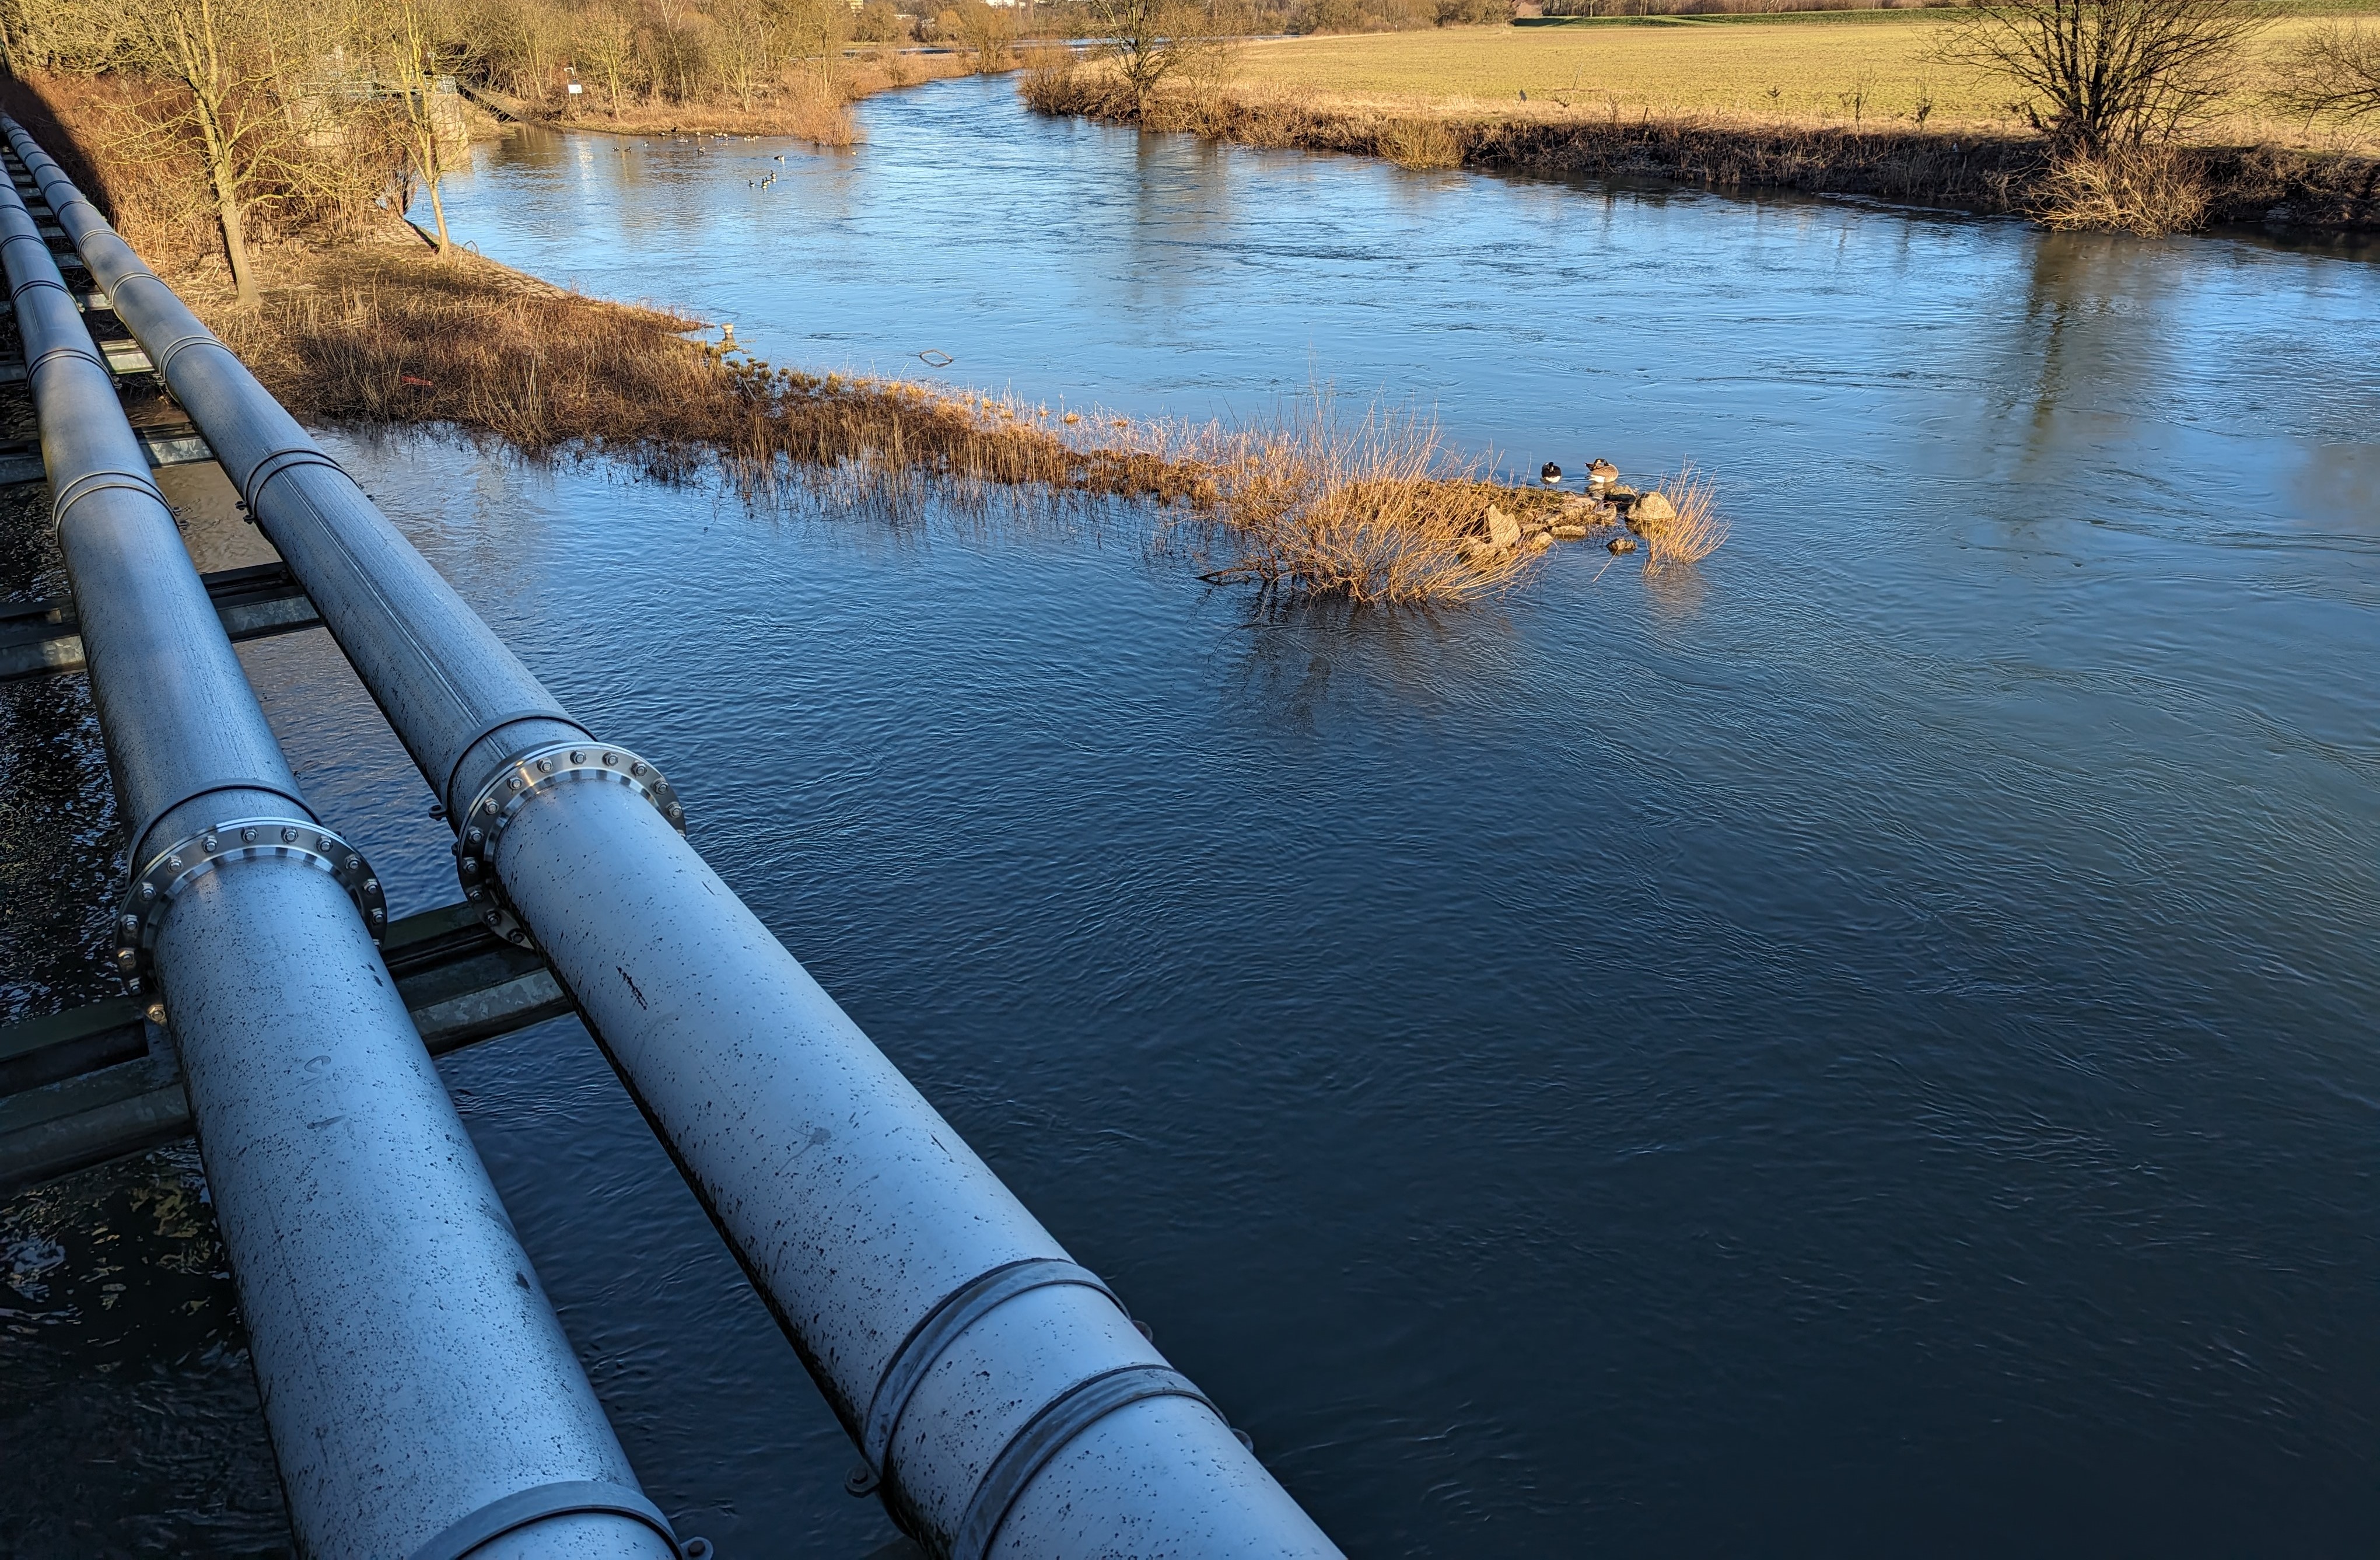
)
(171, 870)
(274, 462)
(490, 812)
(137, 841)
(488, 729)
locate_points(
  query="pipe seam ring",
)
(275, 462)
(572, 1497)
(483, 822)
(486, 729)
(82, 487)
(1044, 1435)
(20, 290)
(940, 1327)
(29, 238)
(69, 349)
(174, 869)
(170, 350)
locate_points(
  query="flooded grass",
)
(1685, 527)
(1373, 510)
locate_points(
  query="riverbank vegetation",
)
(272, 192)
(1307, 505)
(2214, 111)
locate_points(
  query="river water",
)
(1864, 1047)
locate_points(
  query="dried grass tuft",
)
(1374, 510)
(2148, 190)
(1694, 533)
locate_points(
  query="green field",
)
(1814, 66)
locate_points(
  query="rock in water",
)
(1569, 534)
(1503, 530)
(1621, 544)
(1651, 507)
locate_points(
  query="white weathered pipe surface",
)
(410, 1368)
(860, 1214)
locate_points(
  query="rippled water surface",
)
(1866, 1048)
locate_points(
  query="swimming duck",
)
(1550, 472)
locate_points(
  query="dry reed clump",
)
(1376, 511)
(1692, 530)
(1421, 144)
(819, 115)
(2148, 190)
(389, 336)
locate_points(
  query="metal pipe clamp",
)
(491, 812)
(175, 868)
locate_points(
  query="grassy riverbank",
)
(384, 334)
(360, 323)
(1847, 102)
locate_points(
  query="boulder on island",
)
(1503, 530)
(1651, 507)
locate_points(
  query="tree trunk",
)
(438, 211)
(234, 233)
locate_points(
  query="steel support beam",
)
(998, 1391)
(98, 1082)
(41, 637)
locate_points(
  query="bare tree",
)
(232, 69)
(816, 30)
(2112, 74)
(1152, 40)
(410, 40)
(988, 31)
(606, 49)
(2334, 73)
(744, 35)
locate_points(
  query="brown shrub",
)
(2150, 190)
(1373, 511)
(1421, 144)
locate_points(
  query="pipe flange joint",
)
(178, 866)
(523, 775)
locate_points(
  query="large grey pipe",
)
(420, 1395)
(997, 1391)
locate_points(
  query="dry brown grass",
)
(1421, 144)
(2150, 190)
(1374, 510)
(386, 335)
(1694, 531)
